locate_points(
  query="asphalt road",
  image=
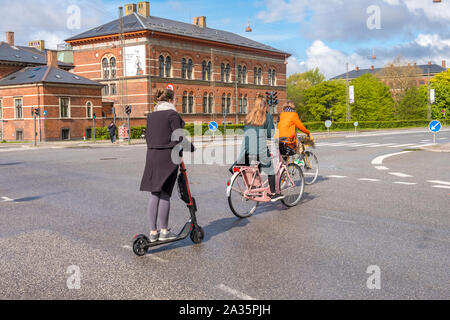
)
(81, 207)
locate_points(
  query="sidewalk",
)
(438, 148)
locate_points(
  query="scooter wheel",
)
(139, 245)
(197, 235)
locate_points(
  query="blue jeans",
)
(113, 139)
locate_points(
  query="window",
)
(204, 70)
(244, 74)
(64, 107)
(168, 66)
(255, 75)
(105, 64)
(19, 135)
(274, 77)
(239, 74)
(271, 76)
(227, 73)
(228, 103)
(191, 102)
(205, 103)
(65, 134)
(89, 110)
(208, 71)
(245, 104)
(222, 72)
(113, 89)
(210, 103)
(161, 66)
(19, 108)
(184, 104)
(1, 109)
(113, 65)
(106, 90)
(189, 69)
(224, 104)
(259, 76)
(183, 68)
(240, 104)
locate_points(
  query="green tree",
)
(413, 106)
(373, 100)
(441, 84)
(325, 97)
(314, 76)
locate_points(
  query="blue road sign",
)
(213, 126)
(45, 112)
(435, 126)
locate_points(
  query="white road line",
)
(382, 168)
(406, 183)
(336, 177)
(6, 199)
(441, 187)
(235, 293)
(443, 139)
(439, 182)
(375, 146)
(379, 160)
(370, 180)
(425, 141)
(335, 219)
(421, 146)
(401, 175)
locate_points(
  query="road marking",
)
(235, 293)
(425, 141)
(421, 146)
(379, 160)
(335, 219)
(153, 257)
(406, 183)
(439, 182)
(371, 180)
(442, 187)
(336, 177)
(402, 145)
(375, 146)
(443, 138)
(6, 199)
(381, 168)
(399, 174)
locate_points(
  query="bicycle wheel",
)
(310, 168)
(239, 205)
(292, 186)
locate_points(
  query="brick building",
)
(213, 71)
(68, 100)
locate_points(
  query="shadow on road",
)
(29, 199)
(10, 164)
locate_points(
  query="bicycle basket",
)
(183, 188)
(286, 150)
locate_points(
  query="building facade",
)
(216, 74)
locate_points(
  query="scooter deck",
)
(181, 236)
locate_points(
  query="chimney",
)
(444, 64)
(372, 68)
(200, 21)
(130, 9)
(52, 58)
(10, 38)
(38, 44)
(143, 8)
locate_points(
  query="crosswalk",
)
(373, 145)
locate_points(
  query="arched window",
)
(205, 103)
(189, 69)
(239, 74)
(209, 71)
(113, 65)
(161, 66)
(183, 68)
(255, 75)
(227, 73)
(241, 104)
(259, 76)
(245, 104)
(204, 71)
(168, 66)
(224, 104)
(210, 103)
(89, 110)
(185, 102)
(106, 90)
(274, 77)
(228, 103)
(244, 74)
(270, 77)
(222, 72)
(105, 64)
(191, 102)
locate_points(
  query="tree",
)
(413, 106)
(296, 86)
(441, 84)
(373, 100)
(325, 97)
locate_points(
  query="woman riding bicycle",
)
(289, 122)
(258, 128)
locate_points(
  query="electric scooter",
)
(141, 243)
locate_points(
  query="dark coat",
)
(161, 172)
(112, 130)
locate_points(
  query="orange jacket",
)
(289, 122)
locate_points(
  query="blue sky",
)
(325, 34)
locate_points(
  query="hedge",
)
(136, 132)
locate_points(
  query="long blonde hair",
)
(257, 115)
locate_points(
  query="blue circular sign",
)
(45, 112)
(213, 126)
(435, 126)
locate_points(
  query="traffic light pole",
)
(93, 127)
(35, 132)
(129, 130)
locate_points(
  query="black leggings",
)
(272, 184)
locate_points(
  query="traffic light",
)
(35, 112)
(275, 101)
(269, 98)
(128, 110)
(94, 116)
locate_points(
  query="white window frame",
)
(68, 108)
(92, 110)
(15, 108)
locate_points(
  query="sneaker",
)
(276, 197)
(167, 236)
(300, 163)
(154, 237)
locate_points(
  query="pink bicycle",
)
(246, 189)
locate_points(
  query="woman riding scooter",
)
(161, 172)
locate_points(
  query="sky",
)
(326, 34)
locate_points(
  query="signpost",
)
(434, 127)
(213, 126)
(328, 124)
(356, 124)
